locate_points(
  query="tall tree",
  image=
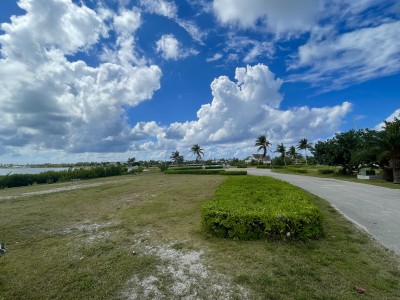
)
(292, 153)
(304, 145)
(176, 157)
(196, 149)
(386, 145)
(282, 150)
(131, 161)
(262, 143)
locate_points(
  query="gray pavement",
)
(374, 209)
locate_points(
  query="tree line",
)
(350, 150)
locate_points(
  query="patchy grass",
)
(139, 237)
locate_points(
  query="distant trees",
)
(262, 143)
(176, 158)
(196, 149)
(132, 162)
(292, 154)
(282, 150)
(304, 145)
(383, 147)
(340, 149)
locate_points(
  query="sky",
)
(105, 80)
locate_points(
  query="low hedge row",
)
(250, 207)
(204, 172)
(297, 170)
(211, 167)
(326, 171)
(234, 173)
(263, 167)
(15, 180)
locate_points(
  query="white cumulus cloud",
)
(242, 110)
(395, 114)
(51, 101)
(170, 49)
(277, 16)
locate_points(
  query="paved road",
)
(374, 209)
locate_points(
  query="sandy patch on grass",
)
(182, 274)
(88, 231)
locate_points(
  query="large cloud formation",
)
(246, 108)
(48, 101)
(55, 97)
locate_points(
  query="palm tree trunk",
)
(306, 155)
(395, 165)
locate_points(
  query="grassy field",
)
(313, 171)
(139, 237)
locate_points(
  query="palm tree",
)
(176, 157)
(196, 149)
(386, 145)
(304, 145)
(282, 150)
(292, 153)
(262, 143)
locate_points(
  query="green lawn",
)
(139, 237)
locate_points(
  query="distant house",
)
(258, 158)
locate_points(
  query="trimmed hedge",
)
(234, 173)
(297, 170)
(326, 171)
(205, 172)
(194, 171)
(15, 180)
(250, 207)
(197, 167)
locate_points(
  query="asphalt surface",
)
(374, 209)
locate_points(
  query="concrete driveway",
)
(374, 209)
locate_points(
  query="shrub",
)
(297, 170)
(234, 173)
(263, 167)
(136, 170)
(370, 172)
(241, 166)
(163, 167)
(326, 171)
(15, 180)
(261, 207)
(196, 171)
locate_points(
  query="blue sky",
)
(106, 80)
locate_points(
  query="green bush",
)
(186, 168)
(163, 167)
(249, 207)
(326, 171)
(263, 167)
(196, 171)
(370, 172)
(204, 172)
(297, 170)
(234, 173)
(15, 180)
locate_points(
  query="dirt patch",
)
(88, 231)
(180, 275)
